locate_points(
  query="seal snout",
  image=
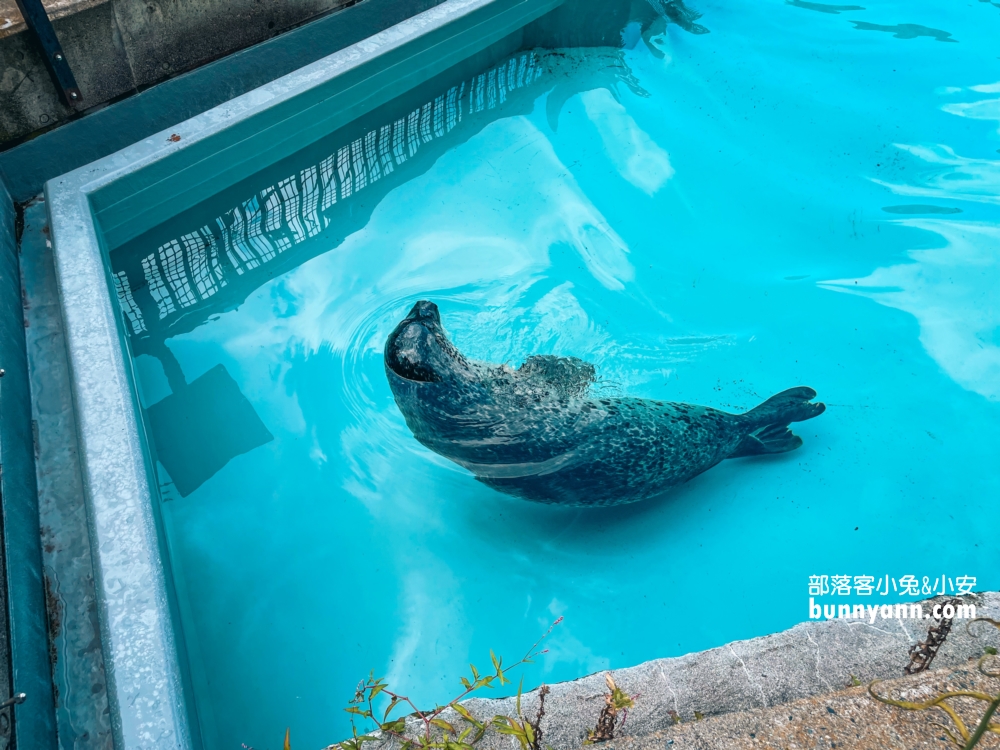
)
(425, 311)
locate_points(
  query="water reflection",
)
(640, 160)
(183, 275)
(607, 70)
(948, 175)
(951, 292)
(675, 11)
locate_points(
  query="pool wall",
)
(25, 622)
(105, 203)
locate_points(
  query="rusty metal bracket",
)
(40, 26)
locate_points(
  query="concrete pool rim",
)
(118, 197)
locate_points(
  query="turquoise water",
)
(801, 196)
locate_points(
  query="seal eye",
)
(407, 352)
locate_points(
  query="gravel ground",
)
(847, 718)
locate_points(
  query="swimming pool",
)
(715, 209)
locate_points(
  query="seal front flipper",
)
(771, 419)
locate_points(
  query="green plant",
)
(607, 722)
(437, 733)
(965, 739)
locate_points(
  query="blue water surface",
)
(805, 195)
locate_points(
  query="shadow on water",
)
(906, 30)
(823, 7)
(202, 426)
(919, 208)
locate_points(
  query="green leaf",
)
(355, 710)
(990, 650)
(496, 662)
(530, 732)
(288, 740)
(465, 683)
(443, 725)
(396, 726)
(475, 672)
(392, 705)
(464, 713)
(520, 688)
(378, 688)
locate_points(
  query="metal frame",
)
(41, 28)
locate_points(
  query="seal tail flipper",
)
(770, 422)
(771, 439)
(786, 407)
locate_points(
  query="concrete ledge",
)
(67, 558)
(847, 718)
(812, 658)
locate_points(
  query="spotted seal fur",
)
(536, 431)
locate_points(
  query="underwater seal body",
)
(537, 433)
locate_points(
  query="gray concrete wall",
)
(118, 47)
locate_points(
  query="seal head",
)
(419, 350)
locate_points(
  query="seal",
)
(537, 432)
